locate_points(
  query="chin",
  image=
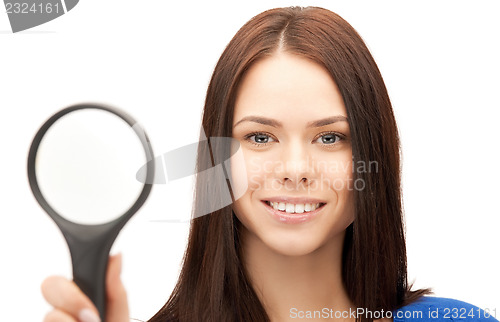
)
(293, 250)
(294, 244)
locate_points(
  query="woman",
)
(319, 223)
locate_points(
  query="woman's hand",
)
(72, 305)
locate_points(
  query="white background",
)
(155, 58)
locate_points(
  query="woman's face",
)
(291, 123)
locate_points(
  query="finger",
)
(117, 304)
(65, 296)
(58, 316)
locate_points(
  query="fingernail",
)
(87, 315)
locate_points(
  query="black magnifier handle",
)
(89, 250)
(89, 273)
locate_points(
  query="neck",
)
(289, 285)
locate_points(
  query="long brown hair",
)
(213, 285)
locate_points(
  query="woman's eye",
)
(330, 138)
(259, 138)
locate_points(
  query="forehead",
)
(287, 84)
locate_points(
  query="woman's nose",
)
(296, 167)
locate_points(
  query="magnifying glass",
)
(82, 169)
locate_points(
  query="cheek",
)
(240, 174)
(249, 171)
(337, 176)
(342, 184)
(342, 174)
(335, 172)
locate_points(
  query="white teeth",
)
(299, 208)
(293, 208)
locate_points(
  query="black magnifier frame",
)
(89, 245)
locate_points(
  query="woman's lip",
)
(294, 200)
(292, 218)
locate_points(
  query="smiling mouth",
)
(294, 208)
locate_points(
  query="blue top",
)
(428, 308)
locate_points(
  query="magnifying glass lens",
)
(86, 165)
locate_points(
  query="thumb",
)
(117, 304)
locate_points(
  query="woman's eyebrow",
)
(278, 124)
